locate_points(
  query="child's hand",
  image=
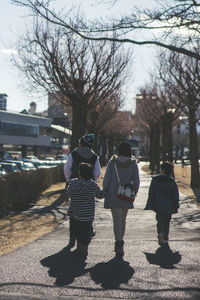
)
(66, 199)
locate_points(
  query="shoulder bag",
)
(125, 192)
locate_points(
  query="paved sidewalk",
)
(45, 270)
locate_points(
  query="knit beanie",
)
(87, 140)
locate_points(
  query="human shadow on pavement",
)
(164, 257)
(112, 273)
(65, 266)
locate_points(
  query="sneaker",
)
(83, 251)
(165, 243)
(71, 242)
(93, 233)
(160, 239)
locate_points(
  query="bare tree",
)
(173, 25)
(81, 73)
(169, 113)
(180, 140)
(117, 130)
(148, 115)
(182, 75)
(103, 113)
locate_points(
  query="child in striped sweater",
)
(83, 191)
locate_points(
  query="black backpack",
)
(77, 159)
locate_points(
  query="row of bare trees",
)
(82, 74)
(175, 93)
(173, 25)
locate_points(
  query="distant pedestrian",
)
(83, 153)
(164, 200)
(184, 169)
(82, 191)
(128, 173)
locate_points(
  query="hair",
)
(167, 167)
(85, 171)
(124, 149)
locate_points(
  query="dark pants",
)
(81, 231)
(163, 223)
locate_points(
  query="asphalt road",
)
(45, 270)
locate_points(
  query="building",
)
(59, 113)
(22, 133)
(60, 139)
(3, 101)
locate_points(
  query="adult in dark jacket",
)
(83, 153)
(128, 173)
(164, 200)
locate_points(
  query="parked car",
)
(38, 164)
(62, 158)
(49, 158)
(19, 163)
(29, 166)
(51, 161)
(9, 167)
(2, 171)
(31, 157)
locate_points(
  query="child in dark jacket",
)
(164, 200)
(83, 191)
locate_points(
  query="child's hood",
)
(163, 178)
(123, 161)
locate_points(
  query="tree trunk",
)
(79, 117)
(167, 143)
(155, 149)
(110, 147)
(103, 152)
(195, 174)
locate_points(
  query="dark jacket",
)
(163, 195)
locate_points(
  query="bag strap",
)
(116, 172)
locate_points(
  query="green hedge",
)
(18, 190)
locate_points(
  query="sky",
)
(13, 20)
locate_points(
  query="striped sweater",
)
(83, 193)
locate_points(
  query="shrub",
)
(18, 190)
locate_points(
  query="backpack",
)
(77, 159)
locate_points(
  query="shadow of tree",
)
(54, 208)
(16, 221)
(164, 257)
(52, 193)
(59, 200)
(112, 273)
(64, 266)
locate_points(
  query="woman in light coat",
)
(128, 173)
